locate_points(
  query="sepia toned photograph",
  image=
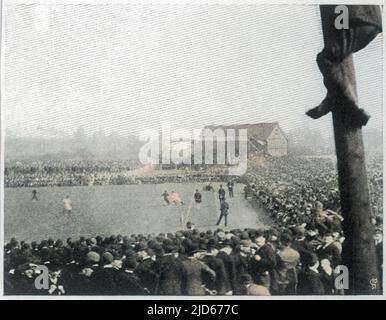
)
(181, 149)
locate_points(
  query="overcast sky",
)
(129, 67)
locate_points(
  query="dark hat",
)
(129, 263)
(203, 246)
(186, 233)
(129, 252)
(150, 252)
(108, 256)
(23, 267)
(193, 248)
(227, 242)
(310, 259)
(212, 244)
(209, 233)
(158, 251)
(167, 242)
(169, 246)
(246, 278)
(286, 239)
(152, 243)
(58, 243)
(140, 246)
(235, 241)
(259, 233)
(244, 236)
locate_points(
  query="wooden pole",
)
(359, 253)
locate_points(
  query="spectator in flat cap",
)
(252, 289)
(107, 258)
(93, 257)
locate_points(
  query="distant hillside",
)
(111, 147)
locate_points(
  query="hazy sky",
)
(128, 67)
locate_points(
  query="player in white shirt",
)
(67, 204)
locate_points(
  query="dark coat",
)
(221, 283)
(230, 268)
(74, 282)
(328, 282)
(310, 283)
(106, 281)
(224, 208)
(304, 249)
(129, 284)
(192, 280)
(241, 267)
(145, 272)
(169, 275)
(267, 263)
(198, 197)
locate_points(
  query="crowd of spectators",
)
(66, 172)
(98, 172)
(296, 256)
(292, 188)
(190, 262)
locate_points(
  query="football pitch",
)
(119, 209)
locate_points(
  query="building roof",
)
(260, 131)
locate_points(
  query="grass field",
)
(106, 210)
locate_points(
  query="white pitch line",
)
(189, 207)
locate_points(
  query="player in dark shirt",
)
(34, 195)
(198, 199)
(224, 211)
(221, 193)
(230, 188)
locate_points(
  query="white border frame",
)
(4, 3)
